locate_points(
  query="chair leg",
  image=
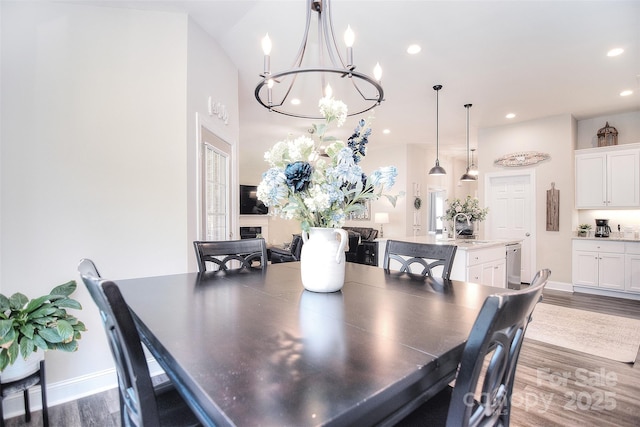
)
(43, 392)
(27, 410)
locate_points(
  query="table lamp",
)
(381, 218)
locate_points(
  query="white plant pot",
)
(322, 259)
(22, 368)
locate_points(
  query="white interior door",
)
(216, 194)
(512, 213)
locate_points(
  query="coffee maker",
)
(602, 228)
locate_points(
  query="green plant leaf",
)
(79, 326)
(4, 303)
(43, 311)
(50, 335)
(4, 359)
(26, 347)
(36, 303)
(5, 327)
(68, 303)
(27, 330)
(65, 289)
(65, 330)
(9, 337)
(39, 342)
(13, 351)
(18, 301)
(66, 346)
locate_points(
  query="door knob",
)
(528, 234)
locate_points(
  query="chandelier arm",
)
(329, 34)
(371, 81)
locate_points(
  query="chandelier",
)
(330, 75)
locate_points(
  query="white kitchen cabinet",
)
(599, 264)
(607, 178)
(486, 266)
(632, 267)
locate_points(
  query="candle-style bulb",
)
(266, 44)
(328, 92)
(377, 72)
(349, 37)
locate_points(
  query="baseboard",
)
(607, 293)
(559, 286)
(68, 390)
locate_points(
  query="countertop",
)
(462, 244)
(610, 238)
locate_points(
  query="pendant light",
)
(437, 169)
(467, 176)
(473, 169)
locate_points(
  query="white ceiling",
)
(533, 58)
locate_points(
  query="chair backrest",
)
(420, 256)
(497, 335)
(86, 267)
(231, 254)
(296, 246)
(136, 388)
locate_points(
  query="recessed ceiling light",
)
(626, 92)
(510, 116)
(386, 131)
(295, 101)
(615, 52)
(413, 49)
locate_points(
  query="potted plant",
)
(583, 230)
(43, 322)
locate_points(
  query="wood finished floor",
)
(554, 386)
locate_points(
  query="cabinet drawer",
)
(632, 248)
(485, 255)
(598, 246)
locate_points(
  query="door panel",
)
(511, 215)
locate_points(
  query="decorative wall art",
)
(524, 158)
(553, 208)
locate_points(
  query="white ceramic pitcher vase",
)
(322, 259)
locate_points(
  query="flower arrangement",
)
(320, 185)
(470, 207)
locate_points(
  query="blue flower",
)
(298, 175)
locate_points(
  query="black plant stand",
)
(23, 385)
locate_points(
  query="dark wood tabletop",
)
(254, 348)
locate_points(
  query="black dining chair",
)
(279, 255)
(496, 337)
(425, 256)
(142, 404)
(232, 254)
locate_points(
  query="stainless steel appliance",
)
(514, 265)
(602, 228)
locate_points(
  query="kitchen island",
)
(478, 261)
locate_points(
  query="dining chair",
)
(496, 338)
(142, 404)
(87, 267)
(231, 254)
(425, 256)
(279, 255)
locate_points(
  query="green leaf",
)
(17, 301)
(5, 327)
(13, 351)
(26, 347)
(36, 303)
(50, 335)
(9, 337)
(65, 289)
(65, 330)
(66, 346)
(4, 359)
(4, 303)
(79, 327)
(68, 303)
(39, 342)
(27, 330)
(43, 311)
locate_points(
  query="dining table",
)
(254, 348)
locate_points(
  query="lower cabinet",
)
(486, 266)
(608, 265)
(632, 267)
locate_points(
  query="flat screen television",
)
(249, 203)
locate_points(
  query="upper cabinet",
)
(608, 177)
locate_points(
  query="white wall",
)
(556, 136)
(627, 125)
(95, 130)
